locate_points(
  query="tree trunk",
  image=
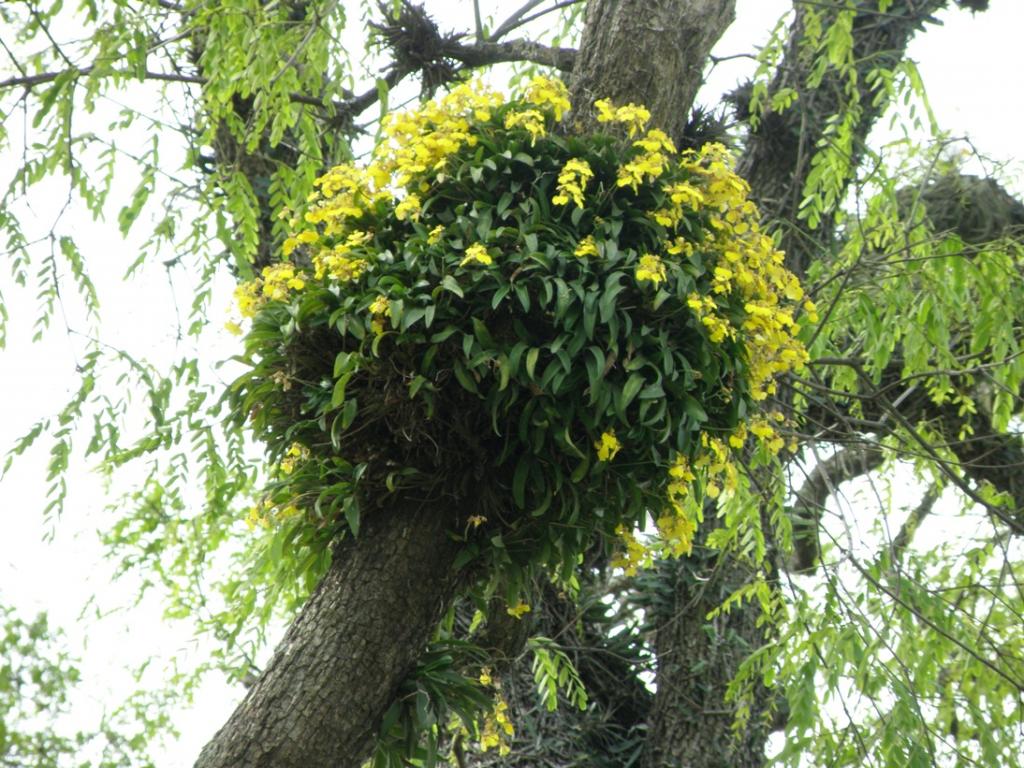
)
(691, 724)
(320, 699)
(649, 52)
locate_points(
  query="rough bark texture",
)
(691, 722)
(321, 697)
(649, 52)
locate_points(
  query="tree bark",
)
(649, 52)
(320, 699)
(691, 723)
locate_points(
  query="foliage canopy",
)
(591, 322)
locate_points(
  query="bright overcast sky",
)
(972, 70)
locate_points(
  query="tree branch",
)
(42, 78)
(903, 538)
(417, 45)
(483, 54)
(822, 481)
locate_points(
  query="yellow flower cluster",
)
(651, 269)
(684, 197)
(249, 298)
(705, 308)
(498, 729)
(607, 446)
(651, 163)
(279, 279)
(677, 524)
(485, 676)
(266, 513)
(572, 180)
(276, 282)
(749, 266)
(718, 471)
(422, 140)
(634, 555)
(677, 528)
(586, 247)
(379, 309)
(765, 433)
(345, 192)
(306, 237)
(434, 236)
(340, 262)
(415, 144)
(549, 93)
(634, 117)
(296, 453)
(716, 462)
(409, 208)
(476, 253)
(530, 119)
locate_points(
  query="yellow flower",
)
(677, 529)
(633, 116)
(656, 141)
(379, 309)
(233, 328)
(497, 728)
(518, 610)
(650, 269)
(296, 452)
(586, 247)
(279, 279)
(680, 247)
(549, 92)
(651, 164)
(255, 518)
(476, 253)
(811, 310)
(530, 119)
(607, 446)
(408, 208)
(572, 180)
(635, 556)
(434, 236)
(605, 111)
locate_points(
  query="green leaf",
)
(348, 412)
(338, 395)
(351, 510)
(694, 409)
(449, 283)
(531, 361)
(519, 480)
(482, 334)
(633, 385)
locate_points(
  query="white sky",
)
(972, 68)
